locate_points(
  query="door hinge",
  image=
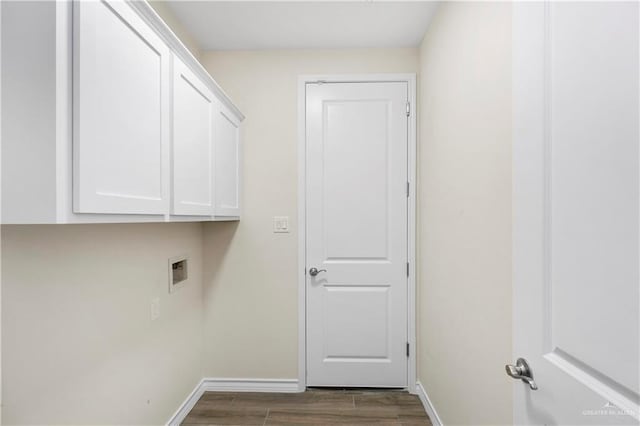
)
(407, 349)
(407, 268)
(408, 108)
(407, 189)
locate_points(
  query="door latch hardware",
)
(315, 271)
(522, 371)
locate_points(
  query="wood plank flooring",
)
(313, 407)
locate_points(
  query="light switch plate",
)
(281, 224)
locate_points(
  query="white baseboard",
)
(250, 385)
(428, 406)
(187, 405)
(231, 385)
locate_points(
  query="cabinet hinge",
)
(407, 349)
(407, 268)
(408, 108)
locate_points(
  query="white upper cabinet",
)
(228, 163)
(107, 117)
(194, 109)
(121, 106)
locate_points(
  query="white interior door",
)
(356, 206)
(576, 211)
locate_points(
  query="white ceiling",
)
(231, 25)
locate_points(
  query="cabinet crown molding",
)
(152, 18)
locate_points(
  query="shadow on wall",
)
(216, 246)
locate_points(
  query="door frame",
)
(303, 80)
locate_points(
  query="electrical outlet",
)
(281, 224)
(155, 308)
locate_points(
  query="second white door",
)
(576, 212)
(356, 204)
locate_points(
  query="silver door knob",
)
(522, 371)
(314, 271)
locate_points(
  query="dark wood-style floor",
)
(313, 407)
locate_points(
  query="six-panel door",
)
(194, 109)
(121, 112)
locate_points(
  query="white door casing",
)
(576, 211)
(121, 112)
(356, 229)
(194, 109)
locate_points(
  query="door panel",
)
(370, 325)
(121, 101)
(356, 162)
(356, 198)
(576, 214)
(594, 186)
(194, 109)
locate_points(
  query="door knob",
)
(521, 371)
(314, 271)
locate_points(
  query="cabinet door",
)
(228, 163)
(194, 108)
(121, 112)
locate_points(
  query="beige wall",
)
(465, 213)
(251, 319)
(79, 346)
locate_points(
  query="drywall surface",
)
(251, 290)
(464, 292)
(79, 345)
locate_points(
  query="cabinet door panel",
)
(193, 113)
(228, 164)
(121, 121)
